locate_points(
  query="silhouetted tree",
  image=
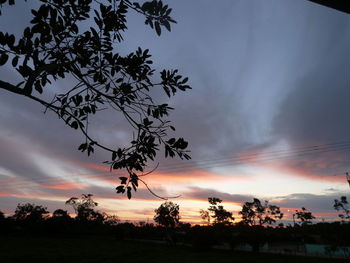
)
(111, 220)
(60, 213)
(167, 214)
(343, 206)
(5, 224)
(84, 208)
(217, 212)
(304, 216)
(205, 215)
(60, 222)
(256, 213)
(79, 39)
(30, 213)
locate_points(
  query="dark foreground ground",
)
(98, 249)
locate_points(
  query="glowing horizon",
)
(267, 116)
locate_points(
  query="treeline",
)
(36, 219)
(259, 224)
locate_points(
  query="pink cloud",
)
(4, 194)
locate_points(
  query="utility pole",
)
(340, 5)
(293, 219)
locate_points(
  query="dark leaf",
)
(114, 156)
(90, 149)
(123, 180)
(11, 40)
(134, 186)
(3, 59)
(157, 27)
(82, 147)
(120, 189)
(167, 25)
(74, 125)
(129, 192)
(38, 87)
(171, 141)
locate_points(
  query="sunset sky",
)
(268, 115)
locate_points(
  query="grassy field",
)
(81, 250)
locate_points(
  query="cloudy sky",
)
(268, 115)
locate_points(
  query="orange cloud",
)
(64, 185)
(188, 176)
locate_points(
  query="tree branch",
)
(15, 89)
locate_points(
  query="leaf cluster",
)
(55, 46)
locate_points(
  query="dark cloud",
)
(313, 202)
(321, 205)
(331, 189)
(316, 203)
(15, 159)
(316, 110)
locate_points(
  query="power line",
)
(256, 157)
(253, 154)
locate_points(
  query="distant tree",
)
(110, 220)
(141, 223)
(304, 216)
(167, 214)
(256, 213)
(60, 213)
(30, 212)
(2, 215)
(79, 40)
(84, 208)
(205, 215)
(343, 206)
(217, 212)
(60, 222)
